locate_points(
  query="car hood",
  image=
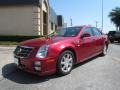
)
(44, 40)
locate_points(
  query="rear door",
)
(99, 40)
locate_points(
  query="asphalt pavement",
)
(99, 73)
(6, 58)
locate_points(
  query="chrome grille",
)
(22, 51)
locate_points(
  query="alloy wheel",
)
(66, 62)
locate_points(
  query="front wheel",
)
(65, 63)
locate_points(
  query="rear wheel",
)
(65, 63)
(111, 41)
(118, 41)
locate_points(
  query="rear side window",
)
(96, 32)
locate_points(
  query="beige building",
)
(26, 17)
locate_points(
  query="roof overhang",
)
(19, 2)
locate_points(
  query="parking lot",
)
(99, 73)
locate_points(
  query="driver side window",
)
(89, 30)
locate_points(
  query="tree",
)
(115, 17)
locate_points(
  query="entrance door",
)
(45, 31)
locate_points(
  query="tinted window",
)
(117, 34)
(96, 32)
(89, 30)
(114, 32)
(111, 32)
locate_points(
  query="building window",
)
(51, 26)
(55, 27)
(44, 17)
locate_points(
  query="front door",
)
(86, 47)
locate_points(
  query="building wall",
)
(37, 20)
(19, 20)
(27, 19)
(53, 20)
(52, 27)
(45, 9)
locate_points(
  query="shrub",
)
(16, 38)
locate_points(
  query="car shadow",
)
(11, 73)
(21, 77)
(116, 43)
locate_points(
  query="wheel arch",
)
(106, 43)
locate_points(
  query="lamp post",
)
(96, 22)
(102, 16)
(71, 22)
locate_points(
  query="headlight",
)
(42, 52)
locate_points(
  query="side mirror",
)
(85, 35)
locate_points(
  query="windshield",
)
(68, 32)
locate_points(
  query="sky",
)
(85, 12)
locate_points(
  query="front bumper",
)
(48, 65)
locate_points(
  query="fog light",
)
(38, 68)
(37, 63)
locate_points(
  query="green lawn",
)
(8, 43)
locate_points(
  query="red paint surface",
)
(83, 48)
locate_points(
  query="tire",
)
(65, 63)
(118, 41)
(104, 50)
(111, 41)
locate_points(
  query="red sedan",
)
(60, 51)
